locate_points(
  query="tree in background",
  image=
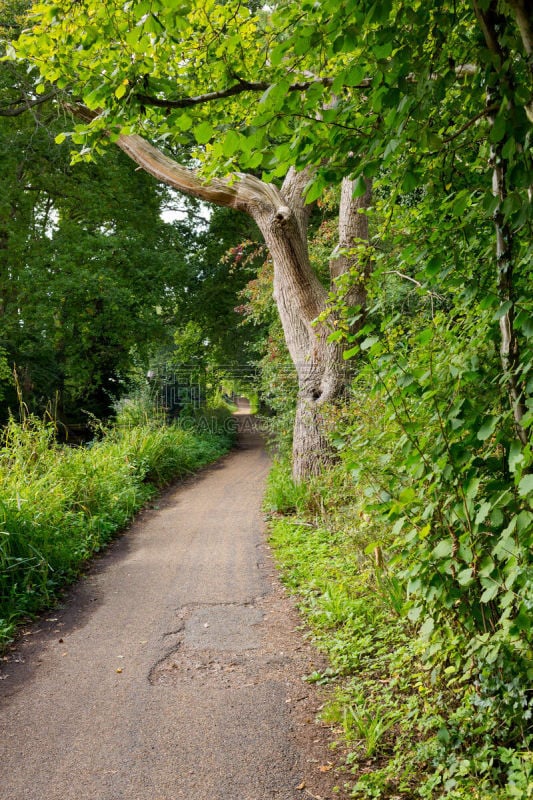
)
(88, 284)
(222, 259)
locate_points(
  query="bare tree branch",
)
(20, 107)
(486, 112)
(238, 192)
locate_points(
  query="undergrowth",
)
(415, 726)
(59, 504)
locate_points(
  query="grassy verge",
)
(59, 505)
(414, 727)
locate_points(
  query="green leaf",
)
(414, 613)
(515, 455)
(353, 351)
(524, 520)
(527, 327)
(367, 343)
(409, 182)
(407, 495)
(498, 129)
(525, 486)
(483, 512)
(354, 75)
(60, 138)
(443, 549)
(460, 203)
(487, 567)
(488, 428)
(398, 525)
(382, 51)
(505, 548)
(359, 187)
(152, 24)
(472, 487)
(464, 577)
(425, 336)
(502, 310)
(443, 735)
(490, 593)
(427, 628)
(231, 143)
(184, 122)
(203, 132)
(314, 190)
(522, 621)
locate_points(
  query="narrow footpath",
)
(173, 669)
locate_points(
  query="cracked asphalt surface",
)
(173, 668)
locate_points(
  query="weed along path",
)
(173, 669)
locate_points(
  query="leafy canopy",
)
(263, 89)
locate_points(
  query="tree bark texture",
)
(493, 25)
(282, 217)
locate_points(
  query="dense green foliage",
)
(88, 284)
(413, 556)
(59, 505)
(221, 263)
(417, 722)
(432, 104)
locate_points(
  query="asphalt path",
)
(174, 668)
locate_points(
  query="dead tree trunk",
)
(282, 217)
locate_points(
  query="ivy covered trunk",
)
(493, 25)
(301, 299)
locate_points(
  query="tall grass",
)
(59, 505)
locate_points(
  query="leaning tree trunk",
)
(282, 217)
(301, 299)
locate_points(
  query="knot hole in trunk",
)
(282, 214)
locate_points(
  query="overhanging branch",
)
(238, 88)
(19, 107)
(242, 86)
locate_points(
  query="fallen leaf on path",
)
(301, 786)
(119, 669)
(326, 767)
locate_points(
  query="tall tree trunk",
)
(282, 217)
(493, 25)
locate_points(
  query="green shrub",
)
(417, 721)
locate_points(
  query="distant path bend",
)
(173, 670)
